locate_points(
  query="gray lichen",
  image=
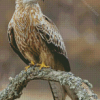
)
(67, 79)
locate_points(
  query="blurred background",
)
(79, 24)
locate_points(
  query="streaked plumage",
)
(34, 37)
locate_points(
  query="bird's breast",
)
(26, 20)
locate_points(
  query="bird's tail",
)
(57, 90)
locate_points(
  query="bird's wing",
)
(51, 35)
(53, 39)
(12, 42)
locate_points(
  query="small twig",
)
(76, 88)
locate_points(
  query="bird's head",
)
(34, 1)
(27, 1)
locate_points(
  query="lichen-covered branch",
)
(76, 88)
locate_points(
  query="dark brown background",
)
(79, 24)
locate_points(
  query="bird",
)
(35, 37)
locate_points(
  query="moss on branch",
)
(76, 88)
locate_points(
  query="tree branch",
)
(76, 88)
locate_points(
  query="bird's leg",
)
(30, 64)
(43, 65)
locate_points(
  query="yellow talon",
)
(32, 63)
(27, 68)
(43, 66)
